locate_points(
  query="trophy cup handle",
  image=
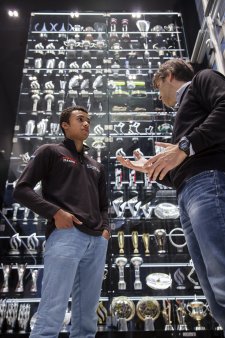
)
(189, 309)
(204, 309)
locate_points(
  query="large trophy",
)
(198, 311)
(6, 272)
(123, 309)
(148, 310)
(121, 262)
(166, 312)
(21, 268)
(137, 261)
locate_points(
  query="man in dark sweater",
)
(74, 201)
(194, 164)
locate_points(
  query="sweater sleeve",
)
(103, 200)
(36, 170)
(209, 90)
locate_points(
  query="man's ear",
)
(65, 125)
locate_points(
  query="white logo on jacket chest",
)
(89, 166)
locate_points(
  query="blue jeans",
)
(202, 214)
(74, 265)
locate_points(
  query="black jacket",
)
(71, 181)
(201, 118)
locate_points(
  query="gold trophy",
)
(121, 242)
(160, 237)
(134, 236)
(123, 309)
(145, 239)
(102, 315)
(166, 312)
(197, 310)
(181, 314)
(148, 310)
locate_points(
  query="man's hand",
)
(159, 165)
(106, 234)
(137, 165)
(64, 219)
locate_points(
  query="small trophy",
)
(195, 282)
(98, 144)
(101, 313)
(66, 320)
(16, 207)
(179, 278)
(34, 276)
(143, 27)
(6, 272)
(3, 306)
(145, 239)
(119, 206)
(148, 310)
(181, 314)
(118, 179)
(49, 97)
(23, 317)
(113, 36)
(134, 237)
(134, 206)
(125, 35)
(35, 91)
(147, 210)
(120, 236)
(121, 262)
(160, 238)
(166, 312)
(132, 180)
(198, 311)
(15, 244)
(123, 309)
(21, 268)
(11, 316)
(137, 261)
(32, 244)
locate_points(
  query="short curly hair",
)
(66, 113)
(181, 70)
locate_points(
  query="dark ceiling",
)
(13, 36)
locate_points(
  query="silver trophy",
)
(3, 307)
(23, 317)
(11, 316)
(181, 315)
(16, 207)
(49, 97)
(179, 278)
(148, 310)
(119, 206)
(147, 210)
(6, 272)
(118, 179)
(98, 144)
(137, 261)
(21, 268)
(121, 262)
(29, 129)
(34, 276)
(132, 180)
(35, 94)
(42, 127)
(198, 311)
(123, 309)
(134, 205)
(66, 321)
(160, 238)
(15, 244)
(143, 26)
(166, 312)
(32, 244)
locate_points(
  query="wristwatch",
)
(184, 145)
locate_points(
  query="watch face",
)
(184, 145)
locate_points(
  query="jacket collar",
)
(72, 147)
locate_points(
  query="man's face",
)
(167, 92)
(78, 127)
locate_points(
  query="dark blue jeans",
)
(202, 214)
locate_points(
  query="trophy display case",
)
(104, 62)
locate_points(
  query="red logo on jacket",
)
(69, 159)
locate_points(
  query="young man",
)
(194, 164)
(74, 201)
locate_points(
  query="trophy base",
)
(182, 327)
(122, 324)
(200, 328)
(14, 252)
(169, 327)
(122, 286)
(137, 286)
(149, 324)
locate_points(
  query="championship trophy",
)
(50, 55)
(98, 144)
(23, 317)
(15, 244)
(166, 211)
(70, 45)
(118, 179)
(113, 37)
(21, 268)
(121, 262)
(180, 244)
(3, 306)
(160, 238)
(198, 311)
(35, 91)
(42, 127)
(39, 53)
(145, 239)
(120, 236)
(11, 316)
(195, 281)
(137, 261)
(147, 209)
(6, 272)
(100, 27)
(49, 97)
(159, 281)
(16, 207)
(102, 315)
(181, 314)
(34, 276)
(123, 309)
(134, 206)
(66, 321)
(143, 26)
(119, 206)
(132, 180)
(148, 310)
(32, 244)
(179, 278)
(134, 237)
(29, 129)
(125, 38)
(166, 312)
